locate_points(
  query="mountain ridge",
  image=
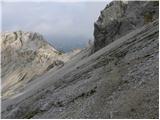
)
(25, 56)
(108, 81)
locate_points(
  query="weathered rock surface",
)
(25, 56)
(118, 81)
(120, 18)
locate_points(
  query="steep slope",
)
(120, 18)
(118, 81)
(25, 56)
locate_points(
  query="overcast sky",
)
(65, 24)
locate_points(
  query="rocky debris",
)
(25, 56)
(118, 81)
(120, 18)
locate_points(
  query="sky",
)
(66, 25)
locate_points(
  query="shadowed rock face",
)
(120, 18)
(120, 80)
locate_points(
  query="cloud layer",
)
(67, 22)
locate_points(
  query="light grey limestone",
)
(118, 81)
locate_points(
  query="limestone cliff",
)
(24, 57)
(120, 18)
(118, 80)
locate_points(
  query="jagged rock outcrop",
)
(25, 56)
(120, 18)
(118, 81)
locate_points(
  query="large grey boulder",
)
(120, 18)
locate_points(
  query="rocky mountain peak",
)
(119, 18)
(119, 80)
(20, 39)
(25, 55)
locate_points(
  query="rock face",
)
(120, 80)
(25, 56)
(120, 18)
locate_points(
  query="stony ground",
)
(118, 81)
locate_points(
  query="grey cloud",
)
(52, 19)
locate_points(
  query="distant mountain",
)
(115, 78)
(26, 56)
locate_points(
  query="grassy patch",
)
(148, 17)
(31, 114)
